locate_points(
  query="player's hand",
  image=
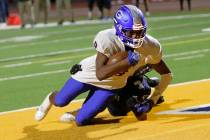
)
(133, 57)
(143, 107)
(75, 68)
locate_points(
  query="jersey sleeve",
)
(103, 44)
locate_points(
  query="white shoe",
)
(44, 107)
(67, 117)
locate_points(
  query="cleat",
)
(67, 117)
(44, 108)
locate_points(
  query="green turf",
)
(186, 50)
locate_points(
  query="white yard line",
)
(29, 108)
(187, 53)
(83, 49)
(80, 100)
(89, 36)
(180, 111)
(178, 17)
(183, 36)
(84, 22)
(32, 75)
(44, 54)
(57, 63)
(17, 65)
(206, 30)
(189, 57)
(179, 25)
(47, 42)
(183, 55)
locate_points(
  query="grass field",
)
(36, 61)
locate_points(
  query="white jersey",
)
(107, 42)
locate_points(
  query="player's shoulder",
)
(152, 42)
(106, 42)
(152, 48)
(107, 34)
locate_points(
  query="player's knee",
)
(59, 102)
(81, 121)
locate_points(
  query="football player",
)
(128, 34)
(137, 89)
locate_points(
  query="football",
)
(117, 57)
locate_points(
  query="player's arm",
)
(104, 71)
(165, 79)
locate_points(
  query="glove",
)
(75, 68)
(133, 57)
(143, 107)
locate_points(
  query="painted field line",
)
(189, 57)
(32, 75)
(85, 49)
(179, 17)
(80, 100)
(184, 55)
(206, 30)
(180, 111)
(89, 36)
(45, 54)
(60, 71)
(90, 28)
(57, 63)
(85, 22)
(179, 25)
(187, 53)
(69, 39)
(29, 108)
(17, 65)
(52, 60)
(183, 36)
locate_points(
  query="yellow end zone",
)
(22, 126)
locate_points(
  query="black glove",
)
(75, 68)
(144, 107)
(140, 108)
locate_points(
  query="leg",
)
(31, 11)
(100, 4)
(70, 116)
(181, 5)
(46, 8)
(37, 10)
(96, 103)
(137, 3)
(189, 4)
(90, 9)
(71, 89)
(107, 5)
(59, 4)
(69, 9)
(146, 7)
(21, 8)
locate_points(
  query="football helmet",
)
(130, 25)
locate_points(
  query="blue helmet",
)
(130, 25)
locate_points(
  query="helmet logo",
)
(119, 14)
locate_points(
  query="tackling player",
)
(103, 80)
